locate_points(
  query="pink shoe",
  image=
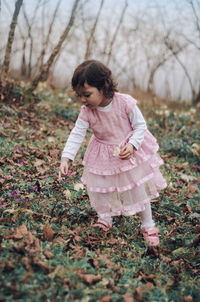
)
(151, 235)
(103, 225)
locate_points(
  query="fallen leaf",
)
(26, 262)
(9, 266)
(78, 238)
(35, 246)
(39, 162)
(187, 299)
(166, 259)
(79, 251)
(128, 298)
(42, 265)
(89, 278)
(193, 187)
(139, 293)
(48, 233)
(19, 232)
(48, 254)
(59, 271)
(106, 299)
(60, 240)
(54, 153)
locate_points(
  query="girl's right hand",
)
(64, 166)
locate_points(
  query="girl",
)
(121, 164)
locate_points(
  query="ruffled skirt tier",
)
(122, 187)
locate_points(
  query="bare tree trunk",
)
(171, 48)
(30, 38)
(91, 37)
(196, 100)
(40, 60)
(13, 24)
(159, 64)
(116, 32)
(45, 68)
(23, 66)
(196, 96)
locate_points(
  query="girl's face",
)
(92, 97)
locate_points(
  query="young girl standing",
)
(121, 164)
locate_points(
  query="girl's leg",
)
(99, 201)
(148, 229)
(146, 217)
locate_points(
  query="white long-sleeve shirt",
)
(78, 133)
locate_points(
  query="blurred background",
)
(152, 45)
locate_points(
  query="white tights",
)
(145, 216)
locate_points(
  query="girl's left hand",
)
(127, 151)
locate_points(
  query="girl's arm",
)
(75, 139)
(72, 146)
(139, 127)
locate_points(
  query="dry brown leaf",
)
(188, 299)
(54, 153)
(48, 233)
(35, 247)
(19, 232)
(30, 244)
(193, 187)
(39, 162)
(166, 259)
(148, 277)
(26, 262)
(139, 293)
(149, 285)
(108, 262)
(9, 266)
(89, 278)
(60, 240)
(59, 271)
(106, 299)
(48, 254)
(78, 238)
(128, 298)
(41, 264)
(79, 252)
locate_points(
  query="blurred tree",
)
(92, 32)
(11, 35)
(43, 75)
(40, 60)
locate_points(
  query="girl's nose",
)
(83, 100)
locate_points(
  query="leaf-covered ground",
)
(48, 249)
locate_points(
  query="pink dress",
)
(116, 186)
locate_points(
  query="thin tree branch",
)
(45, 68)
(91, 37)
(116, 31)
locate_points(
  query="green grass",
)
(58, 256)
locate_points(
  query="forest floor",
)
(48, 248)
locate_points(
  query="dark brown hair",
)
(95, 74)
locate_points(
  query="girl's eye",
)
(85, 96)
